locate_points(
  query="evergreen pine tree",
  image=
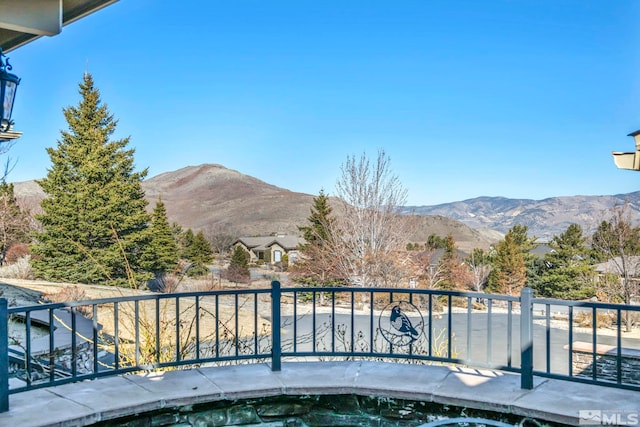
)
(509, 273)
(239, 258)
(196, 249)
(186, 243)
(435, 242)
(94, 218)
(520, 236)
(199, 252)
(238, 271)
(178, 236)
(455, 274)
(568, 272)
(318, 265)
(320, 221)
(161, 254)
(14, 223)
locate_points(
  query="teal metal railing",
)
(531, 337)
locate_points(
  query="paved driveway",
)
(483, 330)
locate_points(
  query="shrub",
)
(70, 294)
(17, 251)
(66, 294)
(584, 319)
(198, 270)
(20, 269)
(164, 283)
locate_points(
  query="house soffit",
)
(72, 10)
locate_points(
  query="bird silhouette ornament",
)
(397, 328)
(401, 323)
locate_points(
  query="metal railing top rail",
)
(193, 294)
(418, 291)
(586, 304)
(130, 298)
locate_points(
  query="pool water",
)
(314, 411)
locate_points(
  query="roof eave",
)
(16, 39)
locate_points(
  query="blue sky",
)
(521, 99)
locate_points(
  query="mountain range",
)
(544, 218)
(211, 198)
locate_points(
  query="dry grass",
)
(168, 313)
(584, 319)
(59, 292)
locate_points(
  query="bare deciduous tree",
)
(221, 237)
(14, 222)
(426, 269)
(5, 146)
(479, 275)
(618, 240)
(370, 231)
(480, 270)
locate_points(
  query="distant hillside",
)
(544, 218)
(200, 197)
(211, 196)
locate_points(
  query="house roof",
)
(633, 266)
(541, 250)
(287, 242)
(23, 21)
(265, 242)
(254, 242)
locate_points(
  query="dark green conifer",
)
(318, 264)
(569, 271)
(197, 251)
(509, 272)
(94, 218)
(185, 240)
(320, 220)
(238, 271)
(451, 265)
(161, 254)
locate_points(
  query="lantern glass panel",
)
(7, 102)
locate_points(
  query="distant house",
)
(541, 250)
(271, 249)
(614, 266)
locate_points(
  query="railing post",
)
(276, 347)
(4, 356)
(526, 338)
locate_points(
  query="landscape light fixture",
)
(629, 160)
(8, 84)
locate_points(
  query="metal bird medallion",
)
(402, 323)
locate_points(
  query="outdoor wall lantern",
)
(8, 84)
(629, 160)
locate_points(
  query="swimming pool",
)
(320, 410)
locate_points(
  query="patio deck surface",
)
(88, 402)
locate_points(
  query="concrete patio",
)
(110, 398)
